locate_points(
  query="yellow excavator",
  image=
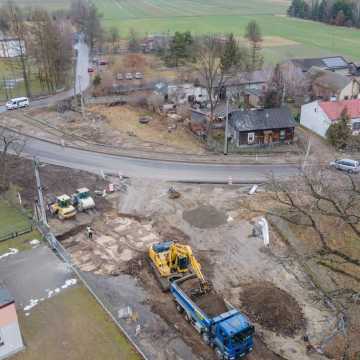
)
(172, 261)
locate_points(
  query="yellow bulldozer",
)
(172, 261)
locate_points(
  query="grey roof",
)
(244, 78)
(219, 111)
(5, 297)
(330, 63)
(328, 79)
(264, 119)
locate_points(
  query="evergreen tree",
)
(339, 133)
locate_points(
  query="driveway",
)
(33, 273)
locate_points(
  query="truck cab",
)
(233, 335)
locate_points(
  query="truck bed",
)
(211, 303)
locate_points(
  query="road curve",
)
(152, 169)
(82, 80)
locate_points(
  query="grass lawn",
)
(11, 218)
(72, 326)
(21, 242)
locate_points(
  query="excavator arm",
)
(177, 251)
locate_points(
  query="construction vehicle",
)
(62, 207)
(82, 199)
(171, 261)
(173, 194)
(226, 330)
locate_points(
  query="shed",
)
(10, 337)
(261, 127)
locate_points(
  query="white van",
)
(17, 103)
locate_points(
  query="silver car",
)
(351, 166)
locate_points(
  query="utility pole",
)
(81, 98)
(306, 155)
(40, 194)
(226, 127)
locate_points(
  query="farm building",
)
(11, 47)
(10, 336)
(335, 63)
(328, 85)
(319, 115)
(261, 127)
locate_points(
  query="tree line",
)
(45, 40)
(334, 12)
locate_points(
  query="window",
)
(1, 339)
(282, 134)
(356, 126)
(251, 138)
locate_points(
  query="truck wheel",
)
(179, 308)
(187, 317)
(205, 337)
(219, 354)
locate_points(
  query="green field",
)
(293, 37)
(300, 38)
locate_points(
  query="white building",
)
(10, 337)
(11, 47)
(319, 115)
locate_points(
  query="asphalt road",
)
(82, 80)
(152, 169)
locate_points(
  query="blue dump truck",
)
(223, 328)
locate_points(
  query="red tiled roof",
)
(333, 109)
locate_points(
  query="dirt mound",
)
(211, 303)
(273, 308)
(205, 217)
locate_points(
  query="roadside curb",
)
(131, 155)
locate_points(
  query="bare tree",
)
(19, 29)
(13, 143)
(253, 35)
(216, 64)
(314, 195)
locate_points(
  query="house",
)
(10, 337)
(319, 115)
(261, 127)
(234, 85)
(327, 85)
(155, 43)
(11, 47)
(202, 116)
(334, 63)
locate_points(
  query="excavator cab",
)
(182, 263)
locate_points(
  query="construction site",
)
(272, 285)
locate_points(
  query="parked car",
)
(17, 103)
(119, 76)
(139, 75)
(129, 76)
(91, 70)
(351, 166)
(103, 62)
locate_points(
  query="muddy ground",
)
(268, 284)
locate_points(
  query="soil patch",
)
(205, 217)
(272, 308)
(211, 303)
